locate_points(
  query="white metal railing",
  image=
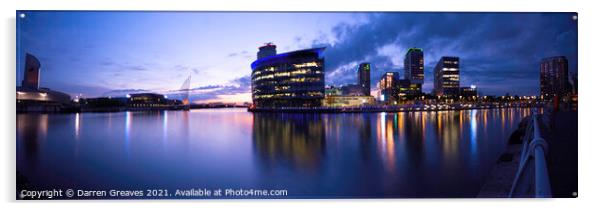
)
(532, 179)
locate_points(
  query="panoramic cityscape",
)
(355, 105)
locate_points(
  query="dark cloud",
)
(493, 47)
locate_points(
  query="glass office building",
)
(447, 77)
(293, 79)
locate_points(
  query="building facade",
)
(387, 87)
(406, 90)
(413, 65)
(269, 49)
(31, 75)
(150, 100)
(554, 77)
(348, 101)
(363, 78)
(31, 97)
(293, 79)
(447, 77)
(468, 91)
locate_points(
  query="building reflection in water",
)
(386, 139)
(294, 140)
(32, 130)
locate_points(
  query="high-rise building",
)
(387, 87)
(269, 49)
(447, 76)
(363, 78)
(413, 65)
(31, 74)
(293, 79)
(554, 76)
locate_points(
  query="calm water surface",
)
(420, 154)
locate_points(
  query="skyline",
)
(124, 52)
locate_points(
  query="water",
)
(418, 154)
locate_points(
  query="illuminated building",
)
(408, 90)
(347, 101)
(414, 67)
(31, 97)
(447, 76)
(363, 78)
(387, 87)
(293, 79)
(470, 91)
(554, 76)
(31, 76)
(150, 100)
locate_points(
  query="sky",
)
(112, 53)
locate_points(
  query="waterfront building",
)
(414, 67)
(554, 77)
(347, 101)
(387, 87)
(468, 92)
(447, 76)
(31, 97)
(293, 79)
(363, 78)
(150, 101)
(407, 90)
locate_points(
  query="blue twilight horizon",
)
(113, 53)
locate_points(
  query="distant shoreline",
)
(392, 109)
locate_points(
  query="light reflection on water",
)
(417, 154)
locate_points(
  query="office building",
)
(447, 76)
(554, 77)
(387, 87)
(414, 67)
(363, 78)
(293, 79)
(468, 92)
(406, 90)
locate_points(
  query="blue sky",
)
(114, 53)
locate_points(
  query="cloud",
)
(136, 67)
(123, 92)
(241, 53)
(493, 47)
(240, 85)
